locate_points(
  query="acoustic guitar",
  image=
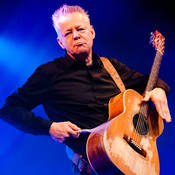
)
(128, 146)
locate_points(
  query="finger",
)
(77, 135)
(163, 110)
(160, 110)
(60, 140)
(147, 97)
(72, 130)
(73, 126)
(166, 113)
(73, 133)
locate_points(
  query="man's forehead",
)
(72, 16)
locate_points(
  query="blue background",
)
(27, 39)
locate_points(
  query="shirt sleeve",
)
(17, 108)
(135, 80)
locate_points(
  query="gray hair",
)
(64, 10)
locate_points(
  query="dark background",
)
(27, 39)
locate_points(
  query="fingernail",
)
(169, 120)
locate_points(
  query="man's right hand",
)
(60, 131)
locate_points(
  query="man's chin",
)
(81, 55)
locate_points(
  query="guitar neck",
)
(158, 42)
(152, 81)
(154, 72)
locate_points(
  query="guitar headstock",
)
(158, 41)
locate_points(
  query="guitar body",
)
(129, 145)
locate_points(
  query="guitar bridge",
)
(135, 145)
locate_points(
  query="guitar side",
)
(120, 146)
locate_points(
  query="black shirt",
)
(69, 91)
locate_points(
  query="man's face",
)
(76, 34)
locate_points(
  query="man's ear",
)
(60, 43)
(93, 31)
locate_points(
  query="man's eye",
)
(67, 34)
(80, 29)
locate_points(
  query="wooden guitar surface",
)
(125, 145)
(129, 145)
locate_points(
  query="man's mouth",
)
(79, 44)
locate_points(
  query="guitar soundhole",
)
(141, 124)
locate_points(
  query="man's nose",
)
(76, 35)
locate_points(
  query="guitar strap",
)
(113, 73)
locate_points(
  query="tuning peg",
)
(151, 38)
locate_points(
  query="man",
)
(75, 89)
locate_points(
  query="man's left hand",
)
(159, 98)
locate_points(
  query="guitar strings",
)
(140, 125)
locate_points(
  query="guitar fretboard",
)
(154, 72)
(151, 81)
